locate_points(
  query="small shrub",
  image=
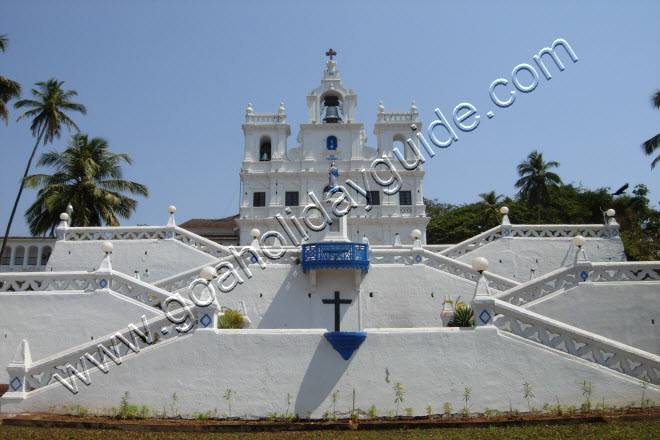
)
(326, 415)
(466, 395)
(463, 316)
(334, 397)
(173, 405)
(572, 410)
(126, 410)
(528, 393)
(372, 411)
(489, 412)
(272, 416)
(409, 412)
(429, 411)
(230, 319)
(144, 412)
(448, 410)
(399, 393)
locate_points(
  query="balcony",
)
(335, 255)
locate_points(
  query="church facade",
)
(280, 181)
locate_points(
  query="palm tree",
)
(88, 176)
(47, 110)
(535, 178)
(652, 144)
(8, 89)
(490, 201)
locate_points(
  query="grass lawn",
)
(648, 429)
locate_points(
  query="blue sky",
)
(168, 82)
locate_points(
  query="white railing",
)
(144, 233)
(49, 281)
(530, 231)
(405, 209)
(265, 118)
(138, 290)
(113, 233)
(396, 116)
(67, 367)
(561, 230)
(439, 262)
(567, 277)
(574, 341)
(473, 243)
(437, 247)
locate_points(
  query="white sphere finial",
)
(207, 273)
(579, 241)
(480, 264)
(504, 210)
(249, 110)
(64, 216)
(107, 247)
(416, 233)
(381, 107)
(69, 209)
(281, 110)
(171, 209)
(611, 213)
(255, 233)
(413, 108)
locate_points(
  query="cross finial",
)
(330, 53)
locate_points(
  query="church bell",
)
(331, 110)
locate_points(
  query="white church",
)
(328, 265)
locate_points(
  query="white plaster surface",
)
(514, 258)
(153, 259)
(626, 312)
(262, 366)
(53, 322)
(391, 295)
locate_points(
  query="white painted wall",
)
(626, 312)
(515, 257)
(153, 259)
(262, 366)
(391, 295)
(53, 322)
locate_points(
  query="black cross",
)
(337, 301)
(330, 53)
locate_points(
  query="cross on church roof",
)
(330, 53)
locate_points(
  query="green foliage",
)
(566, 204)
(88, 176)
(466, 395)
(372, 411)
(8, 89)
(409, 412)
(587, 388)
(429, 410)
(227, 397)
(528, 393)
(334, 397)
(448, 409)
(463, 316)
(173, 405)
(399, 393)
(649, 146)
(230, 319)
(126, 410)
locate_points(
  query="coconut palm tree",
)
(8, 89)
(88, 176)
(47, 111)
(535, 178)
(490, 201)
(652, 144)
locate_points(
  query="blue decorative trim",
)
(335, 255)
(103, 283)
(169, 234)
(208, 319)
(345, 342)
(584, 275)
(418, 258)
(486, 318)
(60, 236)
(254, 259)
(507, 232)
(615, 232)
(15, 387)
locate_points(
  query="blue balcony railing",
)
(335, 255)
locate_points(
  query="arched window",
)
(45, 254)
(399, 142)
(33, 253)
(264, 149)
(6, 256)
(19, 256)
